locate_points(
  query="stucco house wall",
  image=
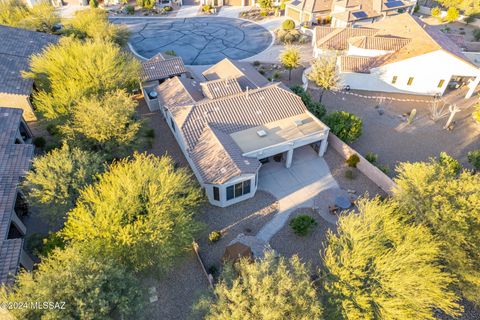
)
(18, 101)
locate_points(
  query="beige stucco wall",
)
(18, 101)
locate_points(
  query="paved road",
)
(198, 40)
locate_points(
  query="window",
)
(238, 190)
(172, 124)
(440, 83)
(410, 81)
(216, 194)
(394, 79)
(230, 193)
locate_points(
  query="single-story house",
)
(401, 54)
(231, 122)
(346, 13)
(157, 69)
(18, 45)
(15, 158)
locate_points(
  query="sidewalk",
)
(187, 11)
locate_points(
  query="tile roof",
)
(17, 47)
(10, 252)
(206, 123)
(356, 64)
(177, 92)
(14, 163)
(312, 6)
(245, 73)
(378, 43)
(337, 38)
(162, 66)
(220, 88)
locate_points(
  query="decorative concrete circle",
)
(198, 40)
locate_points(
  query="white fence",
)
(364, 166)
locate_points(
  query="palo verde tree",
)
(325, 75)
(290, 59)
(54, 183)
(377, 267)
(106, 125)
(139, 213)
(94, 24)
(272, 288)
(90, 285)
(40, 17)
(71, 70)
(469, 7)
(438, 195)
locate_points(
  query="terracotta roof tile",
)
(162, 66)
(220, 88)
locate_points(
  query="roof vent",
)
(246, 162)
(298, 122)
(261, 133)
(223, 170)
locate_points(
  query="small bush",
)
(168, 9)
(263, 13)
(435, 12)
(476, 34)
(288, 24)
(276, 75)
(171, 52)
(302, 224)
(346, 126)
(469, 19)
(213, 270)
(130, 9)
(256, 63)
(371, 157)
(353, 160)
(52, 129)
(349, 174)
(206, 8)
(316, 108)
(39, 142)
(384, 168)
(214, 236)
(474, 159)
(150, 133)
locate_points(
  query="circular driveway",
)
(198, 40)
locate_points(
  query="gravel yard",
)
(246, 217)
(177, 291)
(361, 184)
(308, 248)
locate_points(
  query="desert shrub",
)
(263, 13)
(288, 24)
(302, 224)
(206, 8)
(39, 142)
(476, 34)
(346, 126)
(276, 75)
(452, 14)
(213, 270)
(256, 63)
(52, 129)
(371, 157)
(129, 9)
(353, 160)
(150, 133)
(214, 236)
(167, 8)
(384, 168)
(469, 19)
(93, 4)
(349, 174)
(449, 164)
(474, 159)
(171, 52)
(316, 108)
(265, 4)
(435, 12)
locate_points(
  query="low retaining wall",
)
(369, 170)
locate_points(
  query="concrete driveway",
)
(295, 187)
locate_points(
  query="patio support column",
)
(323, 147)
(473, 85)
(288, 162)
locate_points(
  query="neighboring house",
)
(401, 54)
(156, 70)
(233, 121)
(15, 158)
(18, 45)
(346, 13)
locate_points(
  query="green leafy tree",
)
(290, 59)
(105, 124)
(140, 213)
(94, 24)
(452, 14)
(474, 159)
(316, 108)
(91, 286)
(469, 7)
(344, 125)
(325, 75)
(448, 203)
(40, 17)
(54, 184)
(378, 267)
(72, 70)
(269, 289)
